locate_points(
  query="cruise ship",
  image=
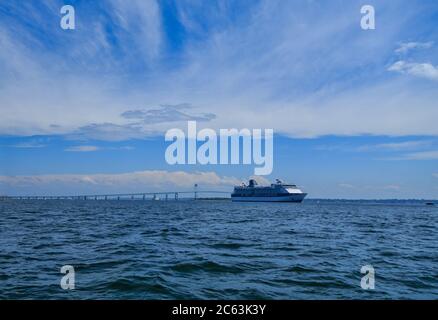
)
(276, 192)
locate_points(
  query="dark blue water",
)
(217, 249)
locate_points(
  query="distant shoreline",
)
(40, 198)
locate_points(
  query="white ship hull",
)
(298, 197)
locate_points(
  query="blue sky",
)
(354, 112)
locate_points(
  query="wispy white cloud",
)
(110, 132)
(240, 69)
(388, 187)
(385, 147)
(407, 46)
(423, 70)
(140, 181)
(82, 149)
(26, 145)
(167, 113)
(88, 148)
(396, 146)
(141, 24)
(423, 155)
(435, 175)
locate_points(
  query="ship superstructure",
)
(276, 192)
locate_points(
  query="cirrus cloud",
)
(82, 149)
(303, 77)
(408, 46)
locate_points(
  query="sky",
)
(354, 111)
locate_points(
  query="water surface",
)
(217, 249)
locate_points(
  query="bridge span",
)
(161, 195)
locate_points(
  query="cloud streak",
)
(408, 46)
(423, 70)
(28, 145)
(139, 181)
(82, 149)
(416, 156)
(166, 113)
(424, 155)
(396, 146)
(305, 75)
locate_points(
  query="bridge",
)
(166, 195)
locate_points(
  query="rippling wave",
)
(217, 250)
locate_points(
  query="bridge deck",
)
(168, 195)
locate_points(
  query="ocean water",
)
(217, 249)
